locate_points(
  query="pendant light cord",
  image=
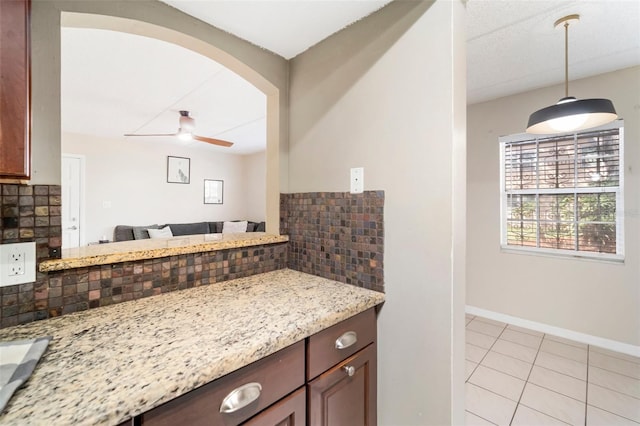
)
(566, 59)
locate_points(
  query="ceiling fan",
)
(185, 132)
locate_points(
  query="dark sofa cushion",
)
(215, 227)
(178, 229)
(141, 233)
(123, 233)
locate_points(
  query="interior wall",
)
(381, 94)
(126, 184)
(593, 297)
(255, 174)
(267, 71)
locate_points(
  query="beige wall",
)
(386, 94)
(597, 298)
(132, 178)
(267, 71)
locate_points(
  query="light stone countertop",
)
(108, 364)
(123, 251)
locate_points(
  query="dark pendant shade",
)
(570, 114)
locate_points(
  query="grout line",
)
(564, 357)
(614, 372)
(546, 414)
(615, 414)
(526, 382)
(614, 354)
(489, 421)
(586, 394)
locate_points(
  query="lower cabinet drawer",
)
(240, 394)
(291, 411)
(334, 344)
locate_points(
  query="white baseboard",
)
(612, 345)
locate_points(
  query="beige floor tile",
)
(522, 338)
(614, 381)
(553, 404)
(598, 417)
(474, 353)
(515, 350)
(558, 382)
(562, 365)
(470, 366)
(616, 365)
(564, 350)
(507, 364)
(525, 330)
(614, 402)
(490, 321)
(619, 355)
(473, 420)
(479, 339)
(526, 416)
(485, 328)
(488, 405)
(567, 341)
(500, 383)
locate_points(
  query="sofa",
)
(129, 233)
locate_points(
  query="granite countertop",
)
(108, 364)
(123, 251)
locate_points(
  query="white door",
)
(72, 188)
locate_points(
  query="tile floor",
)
(517, 376)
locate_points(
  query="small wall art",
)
(213, 191)
(178, 169)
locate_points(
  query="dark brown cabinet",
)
(15, 84)
(342, 373)
(291, 411)
(327, 379)
(346, 394)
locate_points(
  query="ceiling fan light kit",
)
(187, 125)
(570, 114)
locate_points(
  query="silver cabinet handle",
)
(347, 339)
(350, 370)
(73, 227)
(240, 397)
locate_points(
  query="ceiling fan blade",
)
(152, 134)
(212, 141)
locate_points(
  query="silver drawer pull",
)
(347, 339)
(240, 397)
(350, 370)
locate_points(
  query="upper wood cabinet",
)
(15, 82)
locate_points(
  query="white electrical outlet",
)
(17, 263)
(357, 180)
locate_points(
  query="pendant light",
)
(570, 114)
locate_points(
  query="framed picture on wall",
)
(213, 191)
(178, 169)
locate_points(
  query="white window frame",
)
(619, 191)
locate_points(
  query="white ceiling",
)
(115, 83)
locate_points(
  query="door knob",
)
(73, 227)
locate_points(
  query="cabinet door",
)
(343, 396)
(290, 411)
(14, 89)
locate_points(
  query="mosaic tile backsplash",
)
(336, 235)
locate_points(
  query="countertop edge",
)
(52, 265)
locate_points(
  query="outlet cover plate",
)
(26, 251)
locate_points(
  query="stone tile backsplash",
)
(336, 235)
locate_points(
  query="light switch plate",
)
(17, 263)
(357, 180)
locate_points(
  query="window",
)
(564, 194)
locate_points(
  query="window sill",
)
(566, 255)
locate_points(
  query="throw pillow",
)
(234, 227)
(160, 233)
(141, 233)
